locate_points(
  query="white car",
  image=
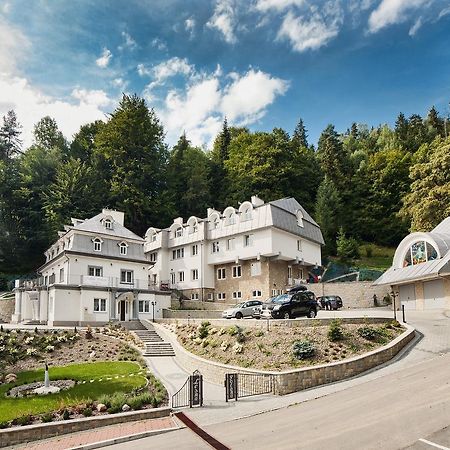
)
(244, 309)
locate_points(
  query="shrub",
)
(347, 248)
(259, 333)
(369, 251)
(369, 333)
(66, 415)
(203, 330)
(47, 418)
(233, 330)
(87, 412)
(89, 334)
(118, 399)
(303, 350)
(114, 409)
(105, 399)
(138, 401)
(395, 324)
(4, 425)
(335, 332)
(23, 420)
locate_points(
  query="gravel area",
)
(27, 389)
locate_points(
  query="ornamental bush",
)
(303, 350)
(335, 332)
(203, 330)
(369, 333)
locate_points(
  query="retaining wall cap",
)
(405, 334)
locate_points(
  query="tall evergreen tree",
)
(10, 142)
(402, 130)
(300, 136)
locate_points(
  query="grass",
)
(11, 408)
(380, 259)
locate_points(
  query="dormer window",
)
(179, 232)
(97, 244)
(153, 238)
(300, 218)
(123, 248)
(108, 224)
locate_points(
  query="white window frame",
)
(230, 244)
(97, 271)
(194, 296)
(181, 276)
(144, 306)
(179, 232)
(256, 293)
(299, 245)
(289, 271)
(194, 274)
(178, 253)
(126, 276)
(194, 250)
(221, 296)
(153, 238)
(61, 275)
(237, 271)
(97, 244)
(153, 256)
(100, 305)
(173, 278)
(248, 240)
(215, 247)
(221, 273)
(123, 248)
(108, 224)
(237, 295)
(210, 296)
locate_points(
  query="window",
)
(255, 268)
(194, 274)
(172, 277)
(216, 223)
(108, 224)
(153, 256)
(230, 244)
(194, 296)
(144, 306)
(289, 271)
(276, 292)
(97, 245)
(195, 228)
(99, 304)
(179, 232)
(153, 238)
(419, 252)
(231, 219)
(126, 276)
(194, 250)
(178, 253)
(123, 248)
(248, 238)
(299, 246)
(237, 271)
(181, 276)
(95, 271)
(221, 296)
(237, 295)
(215, 247)
(221, 275)
(246, 214)
(256, 294)
(300, 218)
(210, 296)
(61, 275)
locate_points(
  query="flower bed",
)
(284, 348)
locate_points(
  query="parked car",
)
(298, 288)
(258, 309)
(290, 305)
(244, 309)
(331, 302)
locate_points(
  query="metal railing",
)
(239, 385)
(82, 280)
(191, 393)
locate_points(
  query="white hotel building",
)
(256, 251)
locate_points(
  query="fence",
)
(191, 393)
(239, 385)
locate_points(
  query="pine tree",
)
(10, 142)
(300, 137)
(435, 123)
(401, 130)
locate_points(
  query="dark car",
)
(331, 302)
(298, 288)
(290, 305)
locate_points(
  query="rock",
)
(92, 354)
(126, 408)
(101, 407)
(11, 378)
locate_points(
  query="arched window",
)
(300, 218)
(246, 211)
(214, 221)
(97, 244)
(108, 224)
(230, 216)
(419, 252)
(192, 225)
(179, 232)
(123, 248)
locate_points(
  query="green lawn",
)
(10, 408)
(381, 257)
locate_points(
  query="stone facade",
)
(287, 382)
(6, 309)
(32, 433)
(354, 294)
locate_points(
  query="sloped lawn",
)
(12, 408)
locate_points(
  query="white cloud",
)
(444, 13)
(189, 25)
(13, 46)
(103, 60)
(129, 42)
(119, 83)
(390, 12)
(200, 108)
(224, 20)
(31, 105)
(311, 33)
(415, 28)
(278, 5)
(5, 8)
(159, 44)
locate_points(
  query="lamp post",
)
(394, 294)
(153, 309)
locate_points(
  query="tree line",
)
(369, 184)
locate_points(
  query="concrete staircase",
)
(154, 344)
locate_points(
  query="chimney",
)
(178, 220)
(256, 201)
(118, 216)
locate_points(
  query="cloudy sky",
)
(261, 63)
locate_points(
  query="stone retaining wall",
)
(6, 309)
(195, 304)
(286, 382)
(183, 314)
(354, 294)
(31, 433)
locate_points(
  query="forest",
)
(367, 184)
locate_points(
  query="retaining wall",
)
(31, 433)
(6, 309)
(194, 313)
(286, 382)
(356, 294)
(195, 304)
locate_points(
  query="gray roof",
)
(284, 216)
(94, 225)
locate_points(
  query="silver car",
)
(244, 309)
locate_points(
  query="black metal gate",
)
(191, 393)
(238, 385)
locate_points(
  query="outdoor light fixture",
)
(153, 309)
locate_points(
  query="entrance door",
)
(122, 310)
(408, 296)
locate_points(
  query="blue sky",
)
(262, 63)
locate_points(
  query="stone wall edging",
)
(289, 381)
(30, 433)
(7, 309)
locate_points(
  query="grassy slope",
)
(381, 258)
(16, 407)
